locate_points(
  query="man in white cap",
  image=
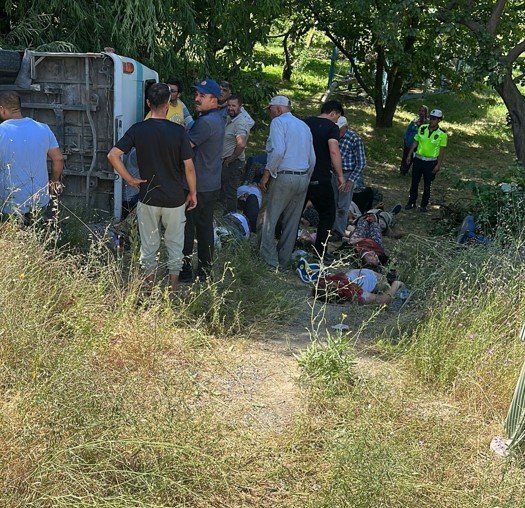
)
(354, 162)
(429, 147)
(290, 163)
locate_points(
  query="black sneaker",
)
(186, 274)
(410, 206)
(335, 237)
(423, 209)
(396, 209)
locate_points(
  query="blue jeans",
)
(343, 201)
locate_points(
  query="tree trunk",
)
(392, 100)
(515, 103)
(287, 67)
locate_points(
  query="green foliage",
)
(496, 206)
(175, 38)
(466, 341)
(329, 366)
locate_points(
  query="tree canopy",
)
(183, 37)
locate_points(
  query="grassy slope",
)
(108, 402)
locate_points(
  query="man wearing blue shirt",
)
(207, 140)
(290, 163)
(24, 147)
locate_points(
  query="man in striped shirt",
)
(354, 162)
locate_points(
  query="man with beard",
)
(207, 139)
(233, 157)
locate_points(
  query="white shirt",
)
(289, 146)
(364, 278)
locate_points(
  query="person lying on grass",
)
(367, 241)
(362, 285)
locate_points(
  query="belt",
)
(286, 172)
(427, 158)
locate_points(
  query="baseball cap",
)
(437, 113)
(341, 122)
(279, 100)
(209, 86)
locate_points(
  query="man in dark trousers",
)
(207, 139)
(325, 133)
(429, 146)
(164, 154)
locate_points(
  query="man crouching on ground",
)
(163, 154)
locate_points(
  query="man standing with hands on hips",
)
(429, 146)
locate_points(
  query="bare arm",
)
(385, 298)
(115, 160)
(337, 163)
(242, 141)
(57, 166)
(57, 163)
(189, 170)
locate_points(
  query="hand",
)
(191, 201)
(436, 170)
(348, 186)
(135, 182)
(226, 162)
(341, 183)
(56, 188)
(263, 184)
(409, 159)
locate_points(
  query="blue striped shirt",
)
(353, 155)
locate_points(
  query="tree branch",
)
(515, 52)
(340, 47)
(495, 17)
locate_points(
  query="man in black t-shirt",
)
(325, 133)
(163, 154)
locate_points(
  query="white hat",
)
(341, 122)
(280, 100)
(437, 113)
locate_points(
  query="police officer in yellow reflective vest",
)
(429, 145)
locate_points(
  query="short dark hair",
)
(176, 82)
(159, 94)
(330, 106)
(227, 85)
(10, 100)
(236, 97)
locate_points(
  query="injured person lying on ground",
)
(362, 285)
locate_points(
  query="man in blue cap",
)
(207, 139)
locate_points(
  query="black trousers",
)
(199, 225)
(321, 194)
(423, 169)
(404, 168)
(251, 210)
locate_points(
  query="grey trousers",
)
(149, 219)
(343, 201)
(285, 197)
